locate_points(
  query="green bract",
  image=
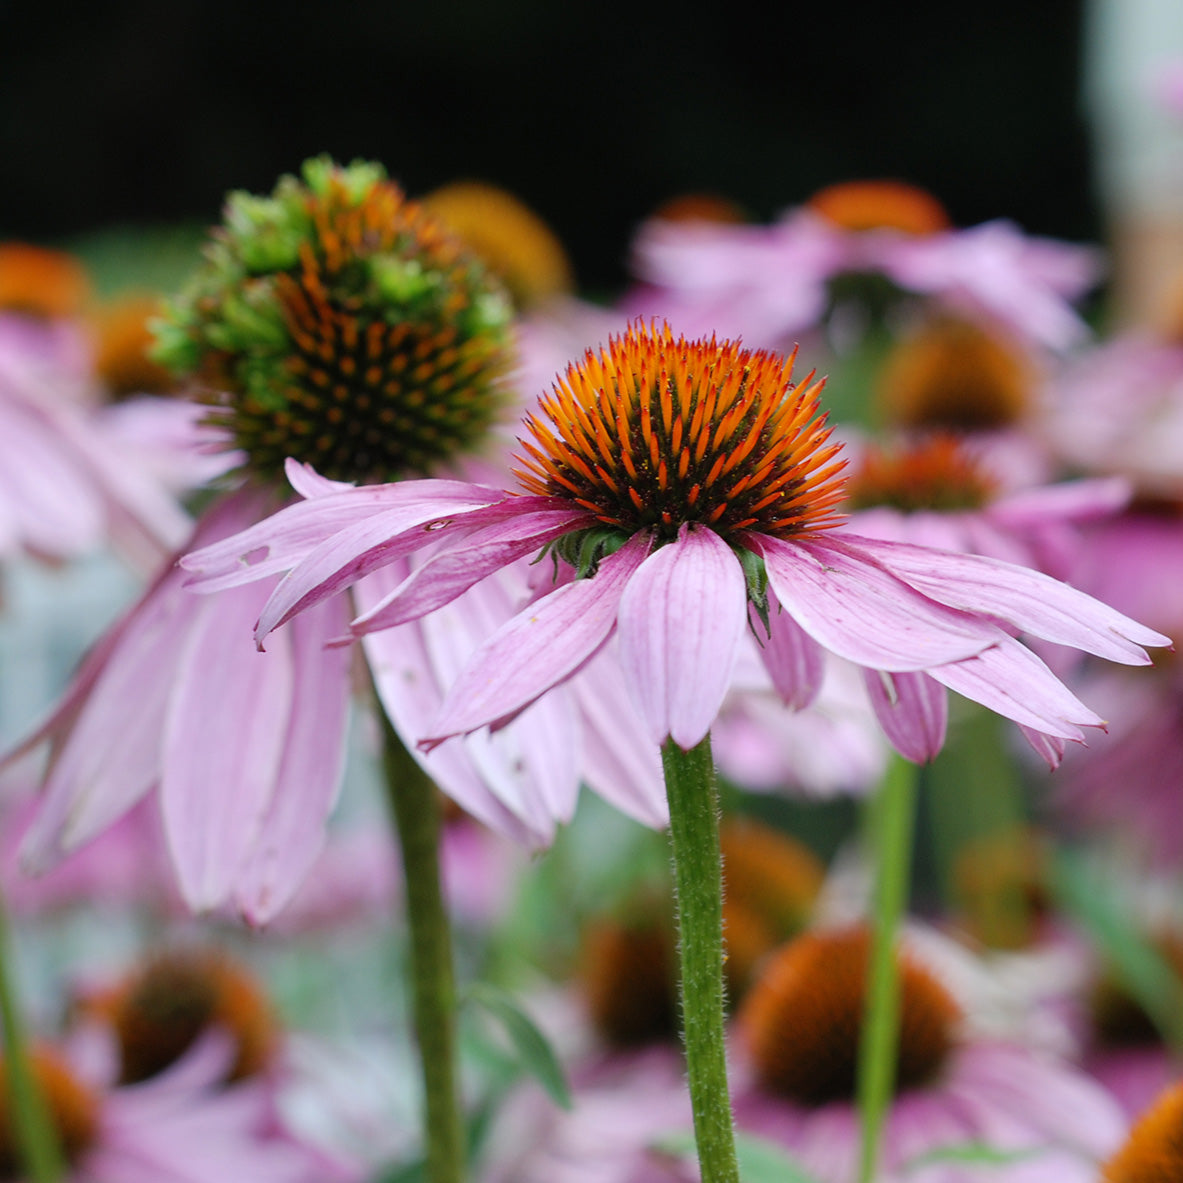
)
(339, 323)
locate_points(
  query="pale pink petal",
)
(223, 743)
(794, 660)
(540, 647)
(110, 756)
(309, 483)
(405, 678)
(1011, 680)
(855, 608)
(621, 763)
(1031, 601)
(680, 620)
(912, 710)
(1075, 501)
(309, 778)
(445, 576)
(1050, 747)
(531, 763)
(282, 540)
(341, 560)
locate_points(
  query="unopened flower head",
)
(339, 323)
(657, 432)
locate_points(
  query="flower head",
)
(339, 323)
(681, 482)
(657, 433)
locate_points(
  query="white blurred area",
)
(48, 618)
(1133, 94)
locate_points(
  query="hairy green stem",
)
(415, 803)
(698, 882)
(36, 1136)
(893, 814)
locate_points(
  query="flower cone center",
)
(936, 474)
(880, 205)
(1153, 1153)
(41, 283)
(629, 977)
(165, 1006)
(802, 1020)
(657, 431)
(73, 1110)
(956, 376)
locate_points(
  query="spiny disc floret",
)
(339, 323)
(655, 432)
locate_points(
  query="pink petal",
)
(282, 540)
(1011, 680)
(309, 778)
(309, 483)
(540, 647)
(1031, 601)
(680, 620)
(852, 606)
(405, 678)
(445, 576)
(621, 763)
(341, 560)
(1050, 747)
(793, 659)
(223, 745)
(912, 709)
(531, 763)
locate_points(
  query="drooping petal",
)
(279, 542)
(223, 743)
(445, 576)
(409, 689)
(621, 763)
(1031, 601)
(309, 778)
(343, 559)
(531, 763)
(540, 647)
(858, 610)
(108, 756)
(1050, 747)
(913, 711)
(680, 620)
(793, 659)
(1012, 681)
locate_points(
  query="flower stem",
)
(892, 820)
(35, 1133)
(415, 804)
(698, 882)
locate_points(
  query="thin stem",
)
(698, 882)
(415, 804)
(893, 819)
(34, 1128)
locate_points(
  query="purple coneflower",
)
(684, 489)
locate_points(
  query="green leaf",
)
(1087, 894)
(760, 1161)
(973, 1154)
(415, 1172)
(533, 1049)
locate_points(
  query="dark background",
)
(147, 111)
